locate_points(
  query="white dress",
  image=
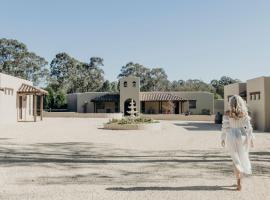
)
(238, 133)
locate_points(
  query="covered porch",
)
(108, 103)
(30, 100)
(163, 103)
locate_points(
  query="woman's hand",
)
(223, 143)
(251, 143)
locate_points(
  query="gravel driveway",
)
(77, 159)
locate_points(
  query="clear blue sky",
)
(189, 39)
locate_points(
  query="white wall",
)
(8, 101)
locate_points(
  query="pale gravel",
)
(77, 159)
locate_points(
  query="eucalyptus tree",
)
(218, 85)
(158, 80)
(63, 72)
(136, 69)
(106, 87)
(17, 60)
(93, 74)
(71, 75)
(177, 85)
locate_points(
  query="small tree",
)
(60, 99)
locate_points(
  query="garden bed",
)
(137, 123)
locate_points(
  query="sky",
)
(190, 39)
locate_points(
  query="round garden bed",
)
(129, 123)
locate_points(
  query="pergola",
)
(161, 97)
(106, 98)
(26, 89)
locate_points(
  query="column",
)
(41, 107)
(35, 107)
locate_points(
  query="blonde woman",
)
(237, 133)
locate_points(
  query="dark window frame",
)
(253, 95)
(192, 104)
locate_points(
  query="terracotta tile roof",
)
(29, 89)
(107, 98)
(159, 96)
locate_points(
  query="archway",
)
(126, 106)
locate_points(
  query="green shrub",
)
(205, 112)
(131, 120)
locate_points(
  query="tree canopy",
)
(218, 85)
(71, 75)
(152, 79)
(68, 75)
(17, 60)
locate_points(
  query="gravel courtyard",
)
(77, 159)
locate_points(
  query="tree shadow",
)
(183, 188)
(199, 126)
(5, 138)
(111, 165)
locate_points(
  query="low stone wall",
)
(181, 117)
(82, 115)
(151, 126)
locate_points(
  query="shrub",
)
(131, 120)
(205, 112)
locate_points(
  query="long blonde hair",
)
(237, 107)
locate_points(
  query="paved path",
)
(77, 159)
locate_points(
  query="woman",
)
(238, 133)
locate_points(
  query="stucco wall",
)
(129, 92)
(204, 100)
(257, 107)
(8, 102)
(182, 117)
(72, 102)
(86, 97)
(233, 89)
(219, 106)
(267, 102)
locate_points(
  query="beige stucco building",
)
(256, 92)
(18, 99)
(146, 102)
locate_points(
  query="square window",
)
(192, 104)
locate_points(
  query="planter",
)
(150, 126)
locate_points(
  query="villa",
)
(19, 100)
(256, 92)
(146, 102)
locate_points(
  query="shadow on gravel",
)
(111, 165)
(184, 188)
(199, 126)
